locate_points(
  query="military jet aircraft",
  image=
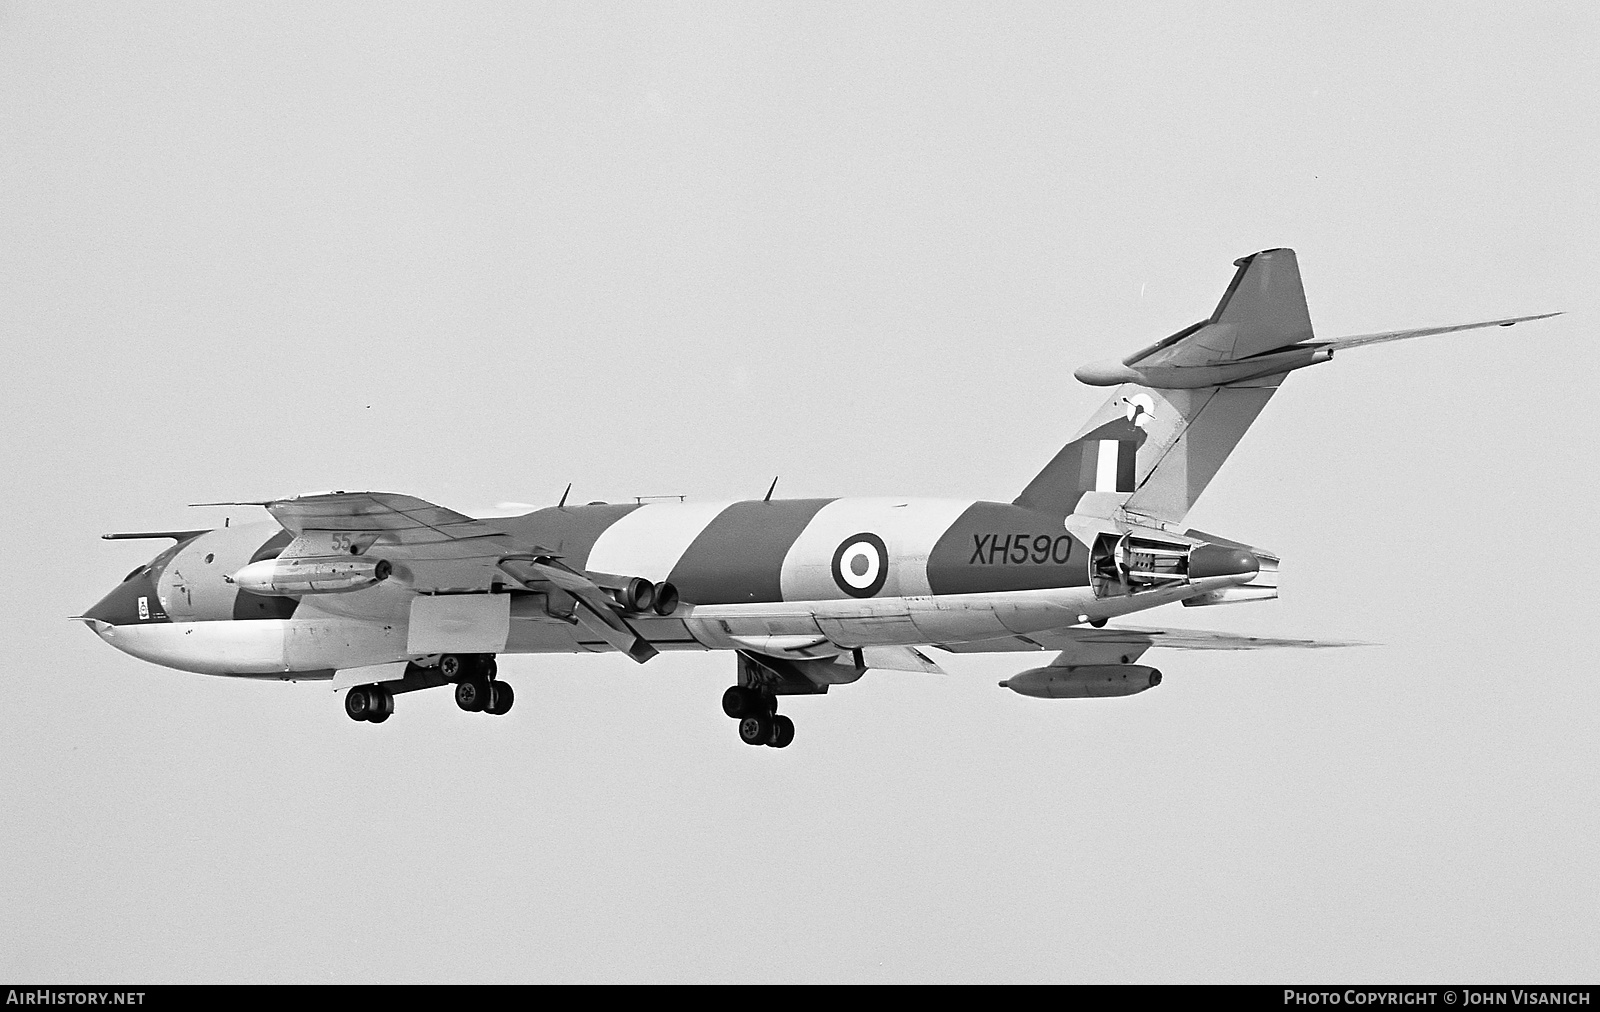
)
(385, 594)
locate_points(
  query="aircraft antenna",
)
(564, 495)
(768, 496)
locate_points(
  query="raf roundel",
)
(861, 565)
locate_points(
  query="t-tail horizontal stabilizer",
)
(1182, 404)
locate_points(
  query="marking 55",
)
(1020, 549)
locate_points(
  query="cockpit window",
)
(158, 565)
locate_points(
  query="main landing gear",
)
(759, 721)
(477, 689)
(369, 702)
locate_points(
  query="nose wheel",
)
(759, 721)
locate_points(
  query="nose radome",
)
(1221, 560)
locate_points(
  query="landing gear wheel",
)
(451, 667)
(739, 701)
(369, 702)
(357, 704)
(782, 731)
(500, 698)
(472, 694)
(755, 729)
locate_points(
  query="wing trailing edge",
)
(1087, 645)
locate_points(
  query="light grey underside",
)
(1087, 645)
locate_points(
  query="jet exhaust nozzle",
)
(635, 594)
(312, 575)
(666, 598)
(1084, 681)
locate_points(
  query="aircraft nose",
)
(1221, 560)
(131, 602)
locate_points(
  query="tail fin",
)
(1184, 402)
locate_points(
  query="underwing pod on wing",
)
(312, 575)
(1086, 681)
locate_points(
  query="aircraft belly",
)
(902, 621)
(871, 630)
(342, 643)
(722, 627)
(549, 636)
(213, 648)
(956, 620)
(388, 601)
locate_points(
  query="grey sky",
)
(475, 252)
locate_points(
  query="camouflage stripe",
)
(907, 528)
(738, 558)
(569, 531)
(1072, 471)
(1000, 547)
(649, 541)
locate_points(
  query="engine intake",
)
(336, 574)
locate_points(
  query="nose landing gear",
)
(759, 721)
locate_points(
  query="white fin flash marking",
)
(1105, 474)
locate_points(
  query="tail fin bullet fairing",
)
(385, 594)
